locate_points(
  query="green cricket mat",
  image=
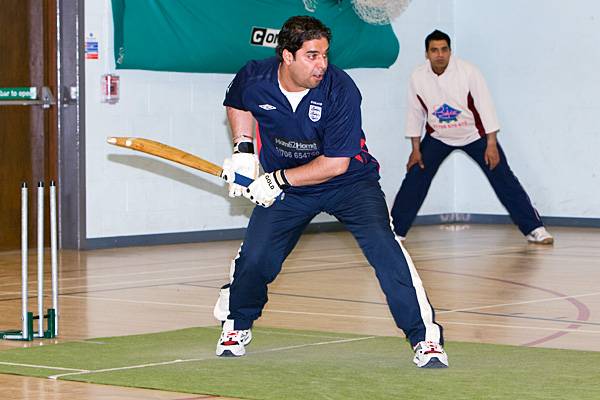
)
(293, 364)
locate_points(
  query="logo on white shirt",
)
(314, 113)
(267, 107)
(445, 113)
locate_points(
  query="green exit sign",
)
(18, 93)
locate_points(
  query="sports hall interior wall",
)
(133, 199)
(538, 61)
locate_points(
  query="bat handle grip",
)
(243, 180)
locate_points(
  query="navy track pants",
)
(273, 232)
(416, 184)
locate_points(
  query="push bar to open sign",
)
(26, 96)
(18, 93)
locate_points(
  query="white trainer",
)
(221, 310)
(430, 355)
(233, 343)
(540, 236)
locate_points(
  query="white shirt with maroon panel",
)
(455, 107)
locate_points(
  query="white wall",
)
(538, 57)
(384, 102)
(131, 194)
(540, 60)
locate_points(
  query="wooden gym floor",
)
(485, 281)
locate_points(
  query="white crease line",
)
(206, 358)
(299, 346)
(43, 366)
(127, 367)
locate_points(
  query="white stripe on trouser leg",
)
(221, 309)
(432, 331)
(232, 266)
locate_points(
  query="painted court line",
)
(159, 303)
(225, 267)
(117, 276)
(386, 318)
(548, 299)
(569, 330)
(42, 366)
(575, 296)
(82, 372)
(116, 284)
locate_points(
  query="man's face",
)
(438, 54)
(307, 69)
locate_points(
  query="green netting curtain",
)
(215, 36)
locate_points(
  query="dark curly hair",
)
(437, 35)
(297, 30)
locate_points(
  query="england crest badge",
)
(314, 113)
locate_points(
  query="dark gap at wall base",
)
(238, 234)
(191, 237)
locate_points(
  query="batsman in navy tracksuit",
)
(315, 160)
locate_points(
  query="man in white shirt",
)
(449, 100)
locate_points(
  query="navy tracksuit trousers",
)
(273, 232)
(416, 184)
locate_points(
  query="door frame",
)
(71, 123)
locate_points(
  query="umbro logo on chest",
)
(267, 107)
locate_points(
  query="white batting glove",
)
(265, 190)
(244, 164)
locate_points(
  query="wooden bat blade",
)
(174, 154)
(167, 152)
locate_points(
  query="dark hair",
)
(297, 30)
(437, 35)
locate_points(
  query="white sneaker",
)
(232, 343)
(430, 355)
(540, 236)
(221, 310)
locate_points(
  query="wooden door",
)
(28, 134)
